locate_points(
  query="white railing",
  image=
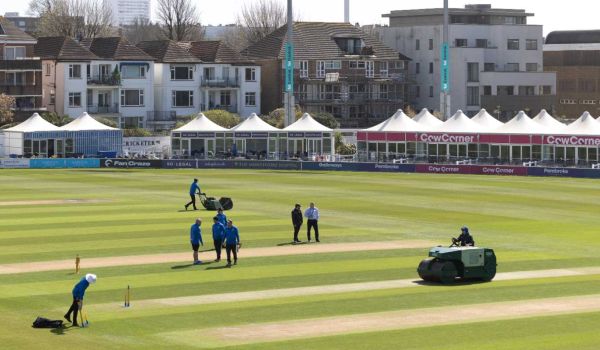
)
(530, 164)
(400, 161)
(464, 162)
(596, 166)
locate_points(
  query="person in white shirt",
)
(312, 216)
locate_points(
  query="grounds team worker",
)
(312, 216)
(297, 221)
(194, 188)
(196, 239)
(218, 231)
(232, 241)
(78, 293)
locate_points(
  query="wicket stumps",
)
(77, 261)
(127, 297)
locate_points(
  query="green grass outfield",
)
(532, 223)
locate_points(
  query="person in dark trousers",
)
(78, 293)
(465, 239)
(196, 239)
(312, 216)
(218, 231)
(232, 241)
(194, 188)
(222, 218)
(297, 221)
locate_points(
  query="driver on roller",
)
(465, 239)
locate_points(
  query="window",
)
(52, 98)
(526, 90)
(568, 102)
(383, 92)
(333, 64)
(512, 44)
(15, 78)
(489, 67)
(531, 44)
(132, 98)
(510, 20)
(250, 74)
(357, 64)
(225, 98)
(14, 52)
(505, 90)
(48, 69)
(351, 46)
(461, 43)
(472, 95)
(430, 44)
(531, 67)
(370, 69)
(545, 90)
(74, 99)
(487, 90)
(182, 73)
(588, 102)
(398, 65)
(430, 91)
(320, 69)
(138, 72)
(586, 85)
(417, 44)
(90, 97)
(383, 69)
(512, 67)
(481, 43)
(250, 99)
(75, 71)
(303, 69)
(430, 67)
(417, 68)
(182, 98)
(473, 72)
(417, 91)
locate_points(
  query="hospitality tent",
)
(34, 136)
(550, 124)
(201, 138)
(84, 136)
(584, 125)
(486, 121)
(459, 122)
(307, 137)
(427, 119)
(254, 138)
(89, 137)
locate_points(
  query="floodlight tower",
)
(346, 11)
(445, 67)
(290, 110)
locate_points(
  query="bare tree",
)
(142, 30)
(260, 19)
(179, 20)
(74, 18)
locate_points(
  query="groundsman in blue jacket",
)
(78, 293)
(218, 231)
(232, 241)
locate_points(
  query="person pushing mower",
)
(194, 188)
(78, 293)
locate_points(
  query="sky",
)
(577, 15)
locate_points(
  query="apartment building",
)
(496, 58)
(575, 57)
(125, 12)
(198, 76)
(20, 71)
(105, 76)
(339, 69)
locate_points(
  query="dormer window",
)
(350, 46)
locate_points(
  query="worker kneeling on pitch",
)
(445, 265)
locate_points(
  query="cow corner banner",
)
(472, 169)
(130, 163)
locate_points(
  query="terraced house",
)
(20, 72)
(338, 69)
(107, 77)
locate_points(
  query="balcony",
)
(220, 83)
(21, 88)
(104, 80)
(232, 108)
(161, 116)
(103, 109)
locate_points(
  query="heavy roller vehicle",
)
(447, 265)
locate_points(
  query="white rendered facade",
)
(206, 86)
(72, 88)
(126, 11)
(498, 63)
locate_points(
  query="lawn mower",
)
(211, 203)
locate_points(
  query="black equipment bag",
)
(42, 322)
